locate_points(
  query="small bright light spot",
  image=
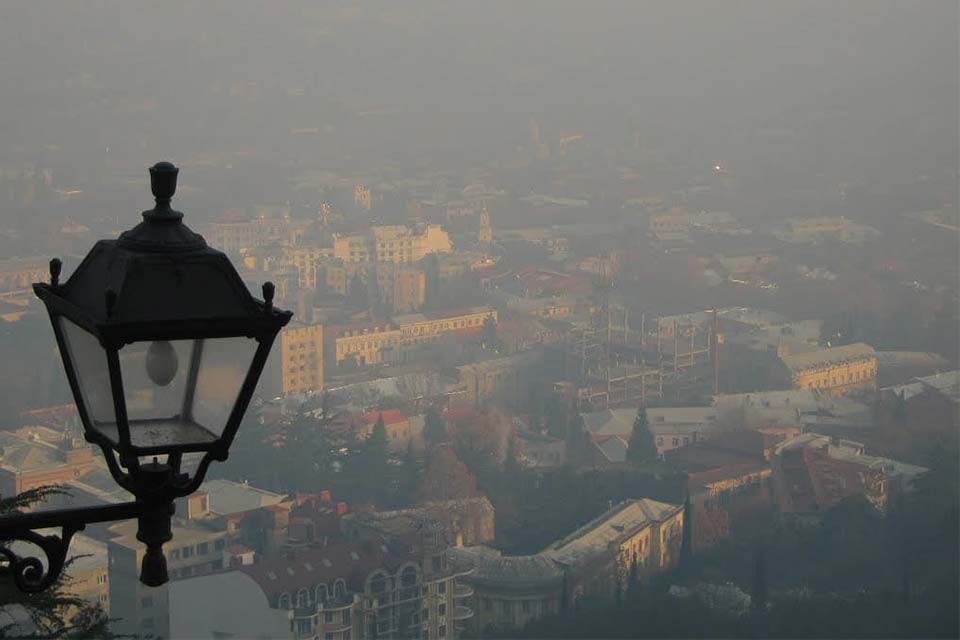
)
(717, 167)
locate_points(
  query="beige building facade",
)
(393, 243)
(837, 370)
(301, 357)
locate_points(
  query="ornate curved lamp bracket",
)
(30, 573)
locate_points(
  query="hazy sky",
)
(861, 86)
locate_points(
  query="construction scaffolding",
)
(615, 366)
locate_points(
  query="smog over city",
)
(537, 319)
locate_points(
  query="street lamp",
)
(163, 345)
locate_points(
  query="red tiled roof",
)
(350, 561)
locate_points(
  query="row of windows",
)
(201, 549)
(307, 597)
(509, 607)
(851, 377)
(197, 569)
(676, 441)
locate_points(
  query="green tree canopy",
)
(642, 447)
(434, 428)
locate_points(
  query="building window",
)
(146, 602)
(409, 577)
(525, 606)
(328, 617)
(102, 579)
(487, 604)
(218, 545)
(175, 554)
(442, 631)
(147, 623)
(442, 587)
(187, 552)
(441, 609)
(202, 549)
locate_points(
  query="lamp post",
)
(163, 345)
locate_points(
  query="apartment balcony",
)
(461, 591)
(462, 613)
(334, 627)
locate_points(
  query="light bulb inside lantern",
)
(161, 362)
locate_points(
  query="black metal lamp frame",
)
(146, 255)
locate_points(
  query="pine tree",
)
(357, 294)
(642, 447)
(633, 580)
(434, 428)
(578, 442)
(686, 547)
(558, 416)
(488, 337)
(376, 445)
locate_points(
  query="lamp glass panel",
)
(224, 363)
(88, 359)
(155, 378)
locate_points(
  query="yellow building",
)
(393, 243)
(308, 261)
(485, 232)
(836, 370)
(420, 327)
(376, 343)
(403, 287)
(361, 197)
(508, 592)
(89, 574)
(676, 221)
(644, 532)
(364, 343)
(301, 358)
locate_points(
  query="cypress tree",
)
(686, 547)
(642, 447)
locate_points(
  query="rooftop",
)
(490, 566)
(613, 526)
(226, 497)
(350, 561)
(851, 452)
(619, 422)
(828, 357)
(414, 318)
(947, 384)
